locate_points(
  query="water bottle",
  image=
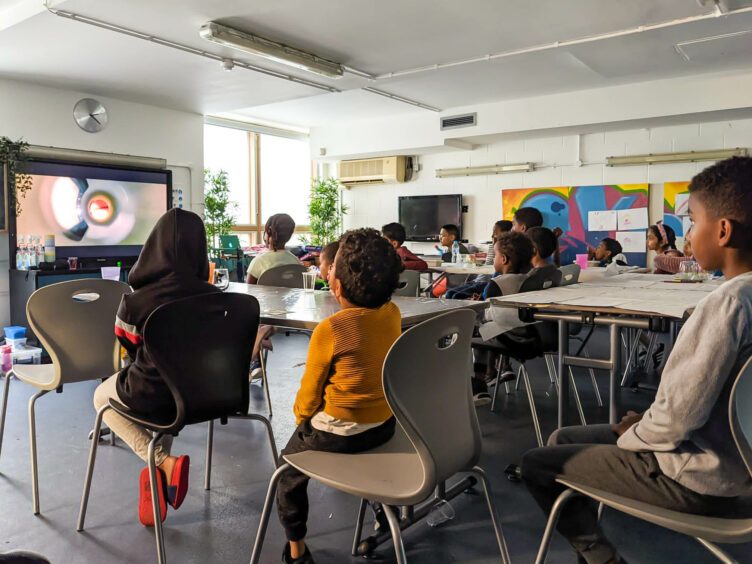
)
(456, 252)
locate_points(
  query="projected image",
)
(85, 211)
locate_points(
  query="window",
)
(266, 173)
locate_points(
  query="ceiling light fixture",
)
(484, 170)
(686, 157)
(271, 50)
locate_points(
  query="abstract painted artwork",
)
(675, 197)
(567, 207)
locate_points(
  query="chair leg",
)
(394, 527)
(551, 367)
(158, 533)
(269, 432)
(577, 401)
(209, 443)
(480, 473)
(496, 387)
(534, 413)
(630, 360)
(596, 389)
(517, 382)
(262, 358)
(33, 445)
(4, 407)
(717, 552)
(90, 466)
(552, 520)
(651, 347)
(359, 526)
(268, 503)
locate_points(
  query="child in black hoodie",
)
(173, 264)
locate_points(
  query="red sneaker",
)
(177, 485)
(145, 510)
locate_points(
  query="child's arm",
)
(318, 365)
(696, 372)
(127, 333)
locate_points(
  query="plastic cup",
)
(440, 513)
(309, 281)
(582, 260)
(221, 278)
(73, 263)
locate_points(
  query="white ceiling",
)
(376, 37)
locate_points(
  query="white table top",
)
(451, 268)
(637, 294)
(298, 309)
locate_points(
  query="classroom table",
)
(641, 301)
(295, 308)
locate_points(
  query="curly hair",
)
(517, 247)
(725, 189)
(368, 268)
(395, 232)
(611, 245)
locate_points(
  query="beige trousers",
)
(135, 436)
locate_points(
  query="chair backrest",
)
(409, 283)
(740, 414)
(75, 323)
(536, 281)
(570, 274)
(427, 385)
(201, 347)
(287, 276)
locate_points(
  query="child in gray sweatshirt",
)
(680, 453)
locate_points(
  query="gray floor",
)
(219, 525)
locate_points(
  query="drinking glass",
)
(686, 270)
(309, 280)
(440, 513)
(700, 273)
(221, 278)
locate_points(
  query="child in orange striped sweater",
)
(341, 406)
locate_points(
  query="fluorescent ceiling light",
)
(686, 157)
(481, 170)
(271, 50)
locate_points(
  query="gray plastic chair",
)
(570, 274)
(409, 284)
(707, 530)
(287, 276)
(75, 323)
(433, 441)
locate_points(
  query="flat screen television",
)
(94, 211)
(423, 216)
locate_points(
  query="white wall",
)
(376, 205)
(44, 116)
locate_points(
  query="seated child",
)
(395, 234)
(340, 406)
(545, 243)
(173, 264)
(670, 264)
(277, 232)
(526, 218)
(326, 260)
(468, 291)
(662, 239)
(608, 251)
(447, 236)
(513, 253)
(679, 454)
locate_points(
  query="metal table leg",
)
(563, 381)
(614, 391)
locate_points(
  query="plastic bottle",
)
(456, 252)
(5, 358)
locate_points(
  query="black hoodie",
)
(173, 264)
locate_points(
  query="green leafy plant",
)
(219, 211)
(325, 211)
(12, 156)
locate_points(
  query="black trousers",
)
(589, 455)
(292, 497)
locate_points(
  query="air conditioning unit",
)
(384, 170)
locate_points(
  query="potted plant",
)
(12, 157)
(325, 211)
(219, 211)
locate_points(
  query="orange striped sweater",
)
(343, 369)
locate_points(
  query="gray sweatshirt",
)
(687, 426)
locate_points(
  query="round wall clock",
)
(90, 115)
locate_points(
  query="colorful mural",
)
(567, 207)
(670, 191)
